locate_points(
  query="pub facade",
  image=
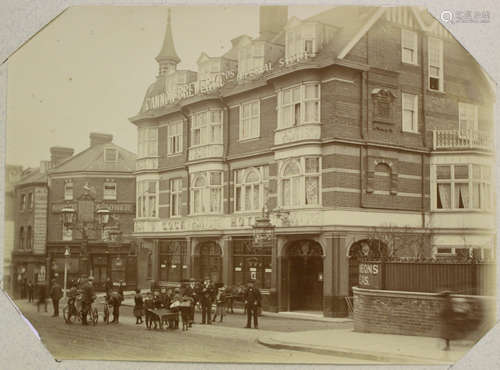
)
(352, 129)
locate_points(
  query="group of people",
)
(204, 294)
(188, 296)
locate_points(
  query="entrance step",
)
(307, 315)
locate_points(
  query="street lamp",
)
(70, 220)
(67, 253)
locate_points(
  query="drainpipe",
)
(424, 128)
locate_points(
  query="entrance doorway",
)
(211, 262)
(305, 276)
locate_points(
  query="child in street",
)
(220, 303)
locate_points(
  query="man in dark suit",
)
(88, 296)
(55, 295)
(207, 297)
(252, 303)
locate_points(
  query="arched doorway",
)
(211, 261)
(363, 250)
(304, 275)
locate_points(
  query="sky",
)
(88, 70)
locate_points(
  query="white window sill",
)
(248, 139)
(174, 154)
(440, 92)
(410, 64)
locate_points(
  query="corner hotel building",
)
(358, 118)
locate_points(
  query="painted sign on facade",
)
(370, 275)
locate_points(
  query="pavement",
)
(376, 347)
(344, 342)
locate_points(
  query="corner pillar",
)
(227, 260)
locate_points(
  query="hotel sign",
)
(113, 207)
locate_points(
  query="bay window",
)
(206, 192)
(300, 182)
(299, 105)
(250, 188)
(249, 120)
(147, 198)
(462, 186)
(206, 128)
(147, 144)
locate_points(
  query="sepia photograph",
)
(261, 184)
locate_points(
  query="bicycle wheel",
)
(106, 315)
(69, 317)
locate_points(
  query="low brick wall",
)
(412, 313)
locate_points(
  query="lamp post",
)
(70, 220)
(67, 253)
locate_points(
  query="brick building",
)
(354, 128)
(99, 177)
(30, 235)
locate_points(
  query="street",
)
(220, 342)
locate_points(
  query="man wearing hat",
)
(207, 296)
(55, 295)
(252, 303)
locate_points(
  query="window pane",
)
(295, 192)
(215, 178)
(443, 172)
(461, 172)
(248, 196)
(461, 199)
(286, 192)
(238, 198)
(476, 172)
(256, 197)
(287, 96)
(296, 94)
(252, 177)
(312, 91)
(312, 190)
(443, 196)
(291, 169)
(312, 165)
(476, 195)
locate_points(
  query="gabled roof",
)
(92, 160)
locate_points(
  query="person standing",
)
(55, 295)
(139, 307)
(116, 301)
(108, 285)
(30, 291)
(88, 296)
(42, 297)
(252, 304)
(189, 291)
(207, 294)
(220, 303)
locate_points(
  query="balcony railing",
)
(309, 131)
(462, 139)
(206, 151)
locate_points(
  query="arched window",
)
(29, 237)
(21, 238)
(290, 184)
(248, 189)
(197, 190)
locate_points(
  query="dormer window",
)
(306, 39)
(110, 155)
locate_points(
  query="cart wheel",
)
(95, 316)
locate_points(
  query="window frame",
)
(250, 119)
(143, 198)
(463, 108)
(486, 198)
(105, 194)
(147, 142)
(440, 52)
(301, 102)
(22, 205)
(178, 194)
(414, 124)
(303, 175)
(205, 192)
(208, 126)
(404, 45)
(175, 140)
(69, 190)
(296, 38)
(262, 183)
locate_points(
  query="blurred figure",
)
(88, 296)
(30, 288)
(220, 302)
(207, 297)
(139, 307)
(55, 295)
(42, 297)
(108, 285)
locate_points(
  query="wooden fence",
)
(433, 277)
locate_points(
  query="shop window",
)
(464, 186)
(251, 263)
(172, 260)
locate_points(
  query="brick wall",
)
(410, 313)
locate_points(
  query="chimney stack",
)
(59, 154)
(272, 19)
(97, 138)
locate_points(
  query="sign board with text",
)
(370, 275)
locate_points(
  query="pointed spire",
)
(167, 53)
